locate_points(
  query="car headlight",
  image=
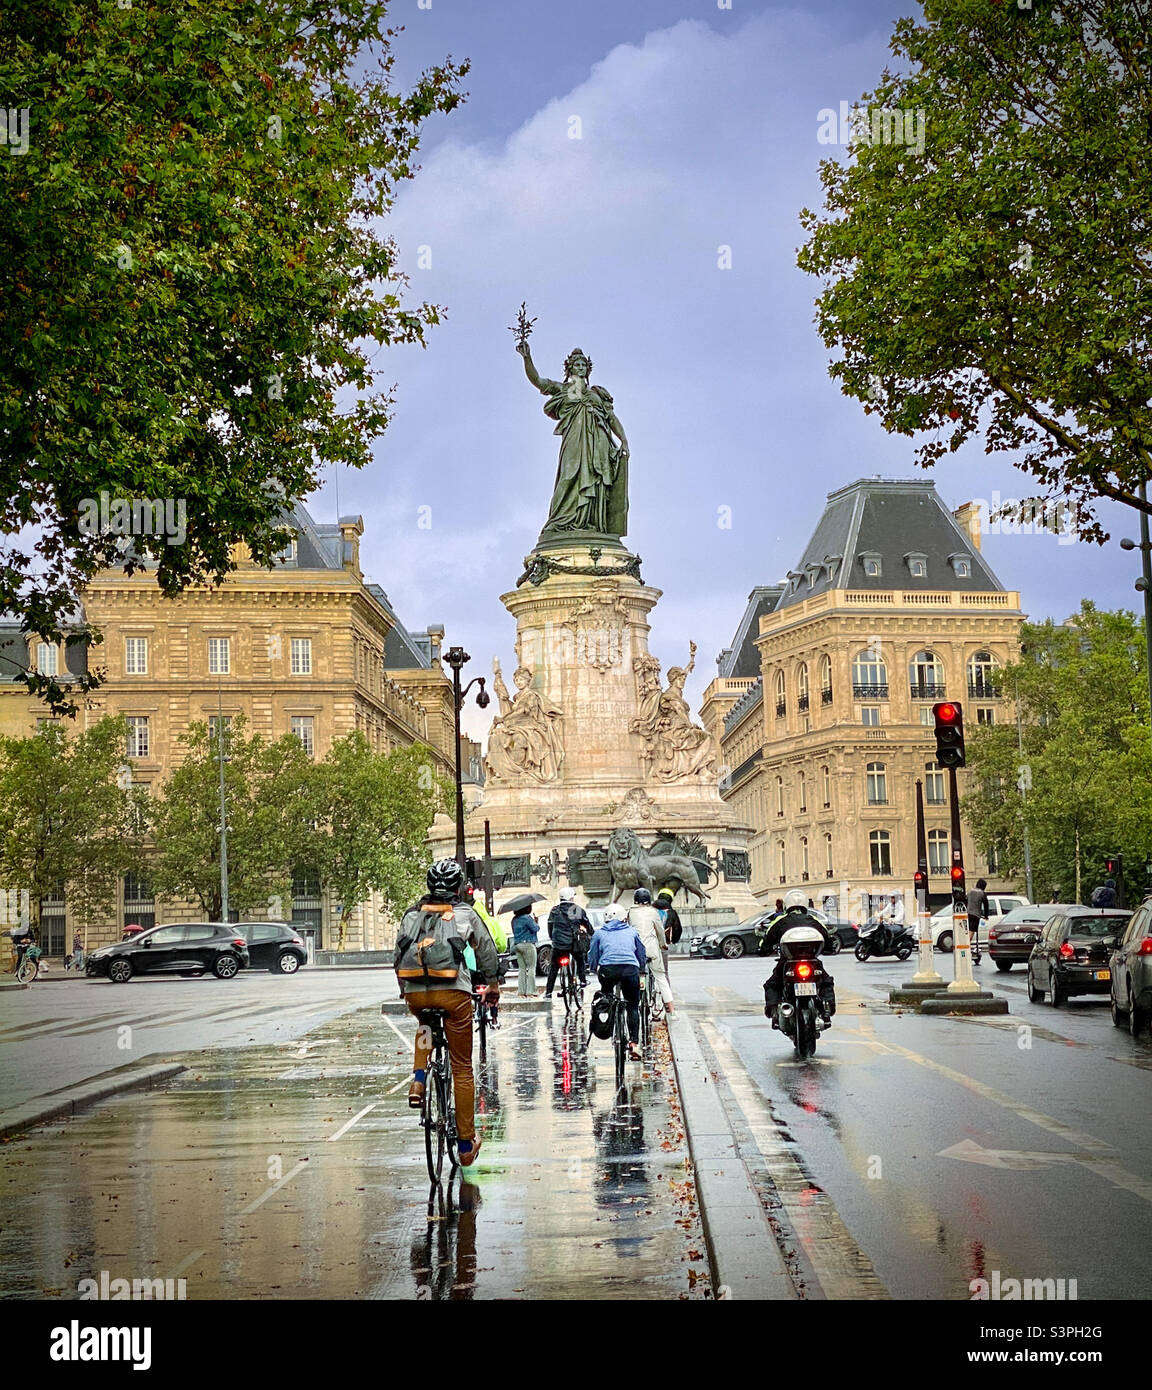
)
(712, 938)
(101, 953)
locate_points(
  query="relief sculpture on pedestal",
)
(524, 742)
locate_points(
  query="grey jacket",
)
(472, 930)
(977, 903)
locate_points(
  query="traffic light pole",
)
(927, 975)
(964, 981)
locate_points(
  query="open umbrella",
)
(521, 903)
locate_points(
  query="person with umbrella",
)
(525, 930)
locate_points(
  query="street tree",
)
(990, 278)
(268, 790)
(71, 819)
(372, 814)
(1082, 693)
(197, 279)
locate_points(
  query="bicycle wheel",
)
(646, 1014)
(620, 1035)
(480, 1009)
(28, 971)
(451, 1134)
(434, 1119)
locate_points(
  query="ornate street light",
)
(457, 658)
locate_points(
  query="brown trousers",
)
(458, 1029)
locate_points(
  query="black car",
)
(1012, 936)
(274, 946)
(1132, 973)
(189, 948)
(741, 939)
(1074, 952)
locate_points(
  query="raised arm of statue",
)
(691, 659)
(500, 688)
(529, 366)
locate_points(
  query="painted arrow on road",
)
(970, 1152)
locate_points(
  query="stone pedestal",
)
(582, 629)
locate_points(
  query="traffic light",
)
(959, 890)
(949, 734)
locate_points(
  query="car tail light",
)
(239, 941)
(803, 970)
(297, 941)
(1145, 947)
(1067, 951)
(991, 933)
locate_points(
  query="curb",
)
(742, 1251)
(74, 1098)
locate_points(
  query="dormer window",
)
(813, 573)
(794, 578)
(961, 566)
(917, 564)
(871, 561)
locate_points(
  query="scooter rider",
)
(796, 914)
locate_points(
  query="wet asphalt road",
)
(293, 1168)
(873, 1159)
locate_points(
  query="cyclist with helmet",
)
(570, 929)
(618, 955)
(650, 929)
(446, 897)
(796, 914)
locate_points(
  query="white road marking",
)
(346, 1127)
(251, 1207)
(405, 1040)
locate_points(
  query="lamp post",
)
(457, 658)
(223, 805)
(1144, 583)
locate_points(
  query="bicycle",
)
(29, 967)
(651, 1005)
(437, 1110)
(570, 988)
(620, 1033)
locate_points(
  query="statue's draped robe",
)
(591, 492)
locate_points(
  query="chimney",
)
(351, 529)
(968, 518)
(435, 640)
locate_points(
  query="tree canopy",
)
(197, 279)
(997, 284)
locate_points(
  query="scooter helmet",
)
(613, 913)
(641, 895)
(567, 895)
(445, 877)
(801, 943)
(664, 898)
(795, 897)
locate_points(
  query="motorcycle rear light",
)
(1067, 951)
(1146, 947)
(803, 970)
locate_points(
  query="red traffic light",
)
(947, 714)
(957, 873)
(918, 878)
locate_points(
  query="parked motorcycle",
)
(885, 939)
(800, 995)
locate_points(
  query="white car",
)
(998, 905)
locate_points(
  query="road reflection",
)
(443, 1256)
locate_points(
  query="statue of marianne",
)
(591, 492)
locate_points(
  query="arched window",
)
(926, 676)
(939, 856)
(982, 675)
(877, 784)
(934, 793)
(802, 688)
(779, 796)
(781, 703)
(869, 676)
(825, 680)
(880, 852)
(804, 857)
(803, 791)
(828, 855)
(826, 774)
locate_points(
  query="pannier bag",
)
(603, 1014)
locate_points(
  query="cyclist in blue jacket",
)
(617, 955)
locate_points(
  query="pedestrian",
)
(76, 960)
(525, 930)
(673, 928)
(977, 913)
(1105, 894)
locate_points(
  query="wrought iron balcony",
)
(983, 690)
(869, 692)
(781, 706)
(928, 690)
(826, 695)
(802, 704)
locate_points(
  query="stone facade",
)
(822, 749)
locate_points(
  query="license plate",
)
(1103, 974)
(1012, 936)
(805, 989)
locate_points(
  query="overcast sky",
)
(697, 132)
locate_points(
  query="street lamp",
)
(1144, 583)
(457, 657)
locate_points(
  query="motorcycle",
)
(885, 939)
(798, 1012)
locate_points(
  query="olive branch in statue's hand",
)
(522, 328)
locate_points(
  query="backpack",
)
(602, 1016)
(1103, 897)
(434, 955)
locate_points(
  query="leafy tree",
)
(196, 278)
(67, 816)
(372, 812)
(1083, 699)
(268, 788)
(997, 283)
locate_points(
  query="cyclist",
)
(445, 898)
(499, 940)
(570, 929)
(650, 929)
(618, 956)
